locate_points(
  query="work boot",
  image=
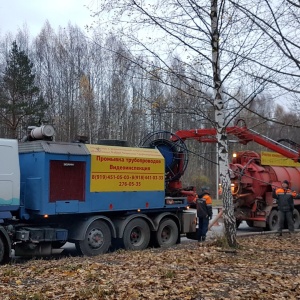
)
(203, 238)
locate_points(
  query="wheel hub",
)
(95, 238)
(135, 236)
(165, 234)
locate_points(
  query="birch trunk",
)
(228, 215)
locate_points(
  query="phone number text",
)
(126, 177)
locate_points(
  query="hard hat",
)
(286, 182)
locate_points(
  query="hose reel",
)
(172, 148)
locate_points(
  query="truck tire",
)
(136, 235)
(238, 223)
(250, 223)
(4, 256)
(167, 233)
(296, 216)
(2, 251)
(97, 239)
(273, 220)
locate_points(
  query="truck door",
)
(9, 174)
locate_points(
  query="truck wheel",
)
(4, 257)
(238, 223)
(167, 233)
(296, 216)
(97, 240)
(136, 235)
(2, 251)
(273, 220)
(250, 223)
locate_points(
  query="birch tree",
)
(278, 23)
(216, 45)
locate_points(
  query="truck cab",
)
(9, 178)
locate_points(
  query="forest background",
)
(100, 87)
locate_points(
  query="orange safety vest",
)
(208, 199)
(284, 191)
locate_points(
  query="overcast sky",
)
(14, 13)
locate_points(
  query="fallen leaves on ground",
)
(263, 267)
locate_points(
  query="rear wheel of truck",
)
(273, 220)
(136, 235)
(296, 217)
(97, 239)
(167, 233)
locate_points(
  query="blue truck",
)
(91, 195)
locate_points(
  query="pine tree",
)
(20, 98)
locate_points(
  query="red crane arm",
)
(244, 136)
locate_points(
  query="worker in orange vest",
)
(204, 213)
(285, 200)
